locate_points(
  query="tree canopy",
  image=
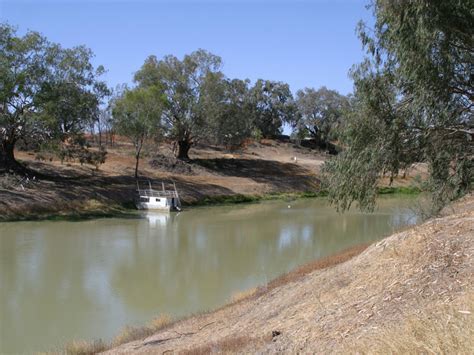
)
(413, 102)
(232, 119)
(321, 112)
(46, 91)
(186, 84)
(137, 115)
(273, 106)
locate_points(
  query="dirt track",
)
(411, 292)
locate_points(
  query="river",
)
(64, 280)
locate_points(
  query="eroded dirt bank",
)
(212, 175)
(411, 292)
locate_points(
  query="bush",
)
(84, 155)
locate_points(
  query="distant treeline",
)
(53, 95)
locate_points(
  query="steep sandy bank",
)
(411, 292)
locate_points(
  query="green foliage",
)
(71, 97)
(137, 115)
(231, 123)
(203, 104)
(76, 149)
(404, 190)
(321, 112)
(95, 158)
(46, 91)
(256, 134)
(239, 198)
(273, 106)
(413, 102)
(189, 86)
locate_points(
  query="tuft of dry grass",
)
(81, 347)
(135, 333)
(242, 295)
(226, 345)
(161, 322)
(129, 334)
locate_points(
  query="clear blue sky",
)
(303, 43)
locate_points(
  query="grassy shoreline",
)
(127, 209)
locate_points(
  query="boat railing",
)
(156, 193)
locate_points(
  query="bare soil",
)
(412, 292)
(69, 188)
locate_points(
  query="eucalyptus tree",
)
(46, 91)
(23, 69)
(273, 106)
(231, 121)
(137, 115)
(185, 83)
(321, 112)
(72, 93)
(375, 141)
(414, 101)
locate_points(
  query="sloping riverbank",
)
(213, 176)
(411, 292)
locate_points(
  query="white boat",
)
(149, 199)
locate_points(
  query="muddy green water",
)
(87, 280)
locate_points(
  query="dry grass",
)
(128, 334)
(320, 264)
(134, 333)
(226, 345)
(446, 329)
(242, 295)
(296, 274)
(80, 347)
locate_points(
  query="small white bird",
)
(289, 206)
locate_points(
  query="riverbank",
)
(273, 170)
(411, 292)
(90, 209)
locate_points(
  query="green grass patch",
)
(405, 190)
(74, 215)
(239, 198)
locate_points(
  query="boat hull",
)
(152, 206)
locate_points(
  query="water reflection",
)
(65, 280)
(157, 219)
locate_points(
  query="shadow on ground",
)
(281, 176)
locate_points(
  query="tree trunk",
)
(100, 134)
(7, 156)
(138, 149)
(183, 149)
(137, 157)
